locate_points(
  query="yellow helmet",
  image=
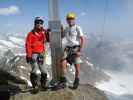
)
(71, 15)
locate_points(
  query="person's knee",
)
(64, 61)
(35, 74)
(36, 71)
(78, 60)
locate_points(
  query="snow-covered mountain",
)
(115, 57)
(14, 43)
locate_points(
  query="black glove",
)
(48, 34)
(29, 60)
(48, 30)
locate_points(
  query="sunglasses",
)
(39, 22)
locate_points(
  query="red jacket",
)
(35, 42)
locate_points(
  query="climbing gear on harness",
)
(72, 53)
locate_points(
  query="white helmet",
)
(40, 19)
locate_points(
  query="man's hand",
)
(29, 60)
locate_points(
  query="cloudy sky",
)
(16, 16)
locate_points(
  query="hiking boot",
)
(35, 80)
(43, 80)
(35, 90)
(76, 83)
(62, 82)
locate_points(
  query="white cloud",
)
(9, 10)
(83, 13)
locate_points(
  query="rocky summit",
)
(14, 77)
(84, 92)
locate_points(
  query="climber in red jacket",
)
(35, 51)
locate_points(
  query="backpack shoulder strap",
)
(77, 29)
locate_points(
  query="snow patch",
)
(23, 67)
(120, 83)
(17, 40)
(28, 82)
(7, 43)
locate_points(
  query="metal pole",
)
(55, 38)
(53, 10)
